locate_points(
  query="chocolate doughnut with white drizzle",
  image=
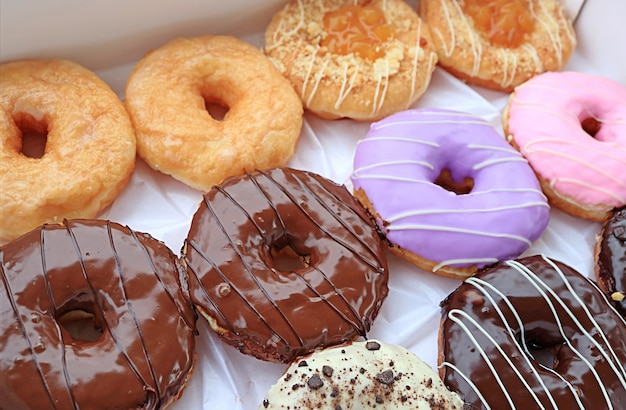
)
(533, 333)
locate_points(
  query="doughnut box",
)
(110, 37)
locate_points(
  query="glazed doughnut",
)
(499, 44)
(533, 333)
(571, 127)
(282, 262)
(358, 59)
(610, 258)
(89, 144)
(167, 95)
(127, 286)
(361, 375)
(439, 184)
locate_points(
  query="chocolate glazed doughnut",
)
(282, 262)
(127, 284)
(533, 333)
(610, 253)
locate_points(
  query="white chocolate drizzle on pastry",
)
(533, 332)
(468, 52)
(333, 84)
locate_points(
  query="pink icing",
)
(545, 116)
(397, 162)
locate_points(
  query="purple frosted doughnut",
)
(395, 169)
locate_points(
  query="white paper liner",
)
(155, 203)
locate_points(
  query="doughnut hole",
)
(446, 181)
(81, 324)
(286, 259)
(591, 126)
(216, 109)
(544, 347)
(34, 135)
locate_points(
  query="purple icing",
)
(397, 162)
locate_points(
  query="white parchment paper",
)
(111, 36)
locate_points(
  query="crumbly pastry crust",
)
(468, 55)
(89, 152)
(335, 86)
(166, 96)
(361, 375)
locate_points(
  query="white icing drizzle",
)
(588, 186)
(452, 316)
(508, 150)
(609, 154)
(510, 64)
(497, 161)
(379, 97)
(577, 160)
(391, 163)
(549, 22)
(379, 126)
(449, 262)
(415, 62)
(507, 79)
(607, 96)
(481, 285)
(403, 215)
(532, 51)
(446, 51)
(469, 382)
(543, 289)
(318, 79)
(489, 191)
(401, 227)
(391, 178)
(402, 139)
(343, 92)
(308, 72)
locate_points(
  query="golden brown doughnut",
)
(89, 151)
(166, 97)
(381, 68)
(499, 44)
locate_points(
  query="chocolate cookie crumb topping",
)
(315, 382)
(385, 377)
(303, 363)
(327, 371)
(372, 346)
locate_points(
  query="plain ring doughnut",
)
(89, 152)
(175, 133)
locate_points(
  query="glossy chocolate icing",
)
(129, 282)
(554, 315)
(271, 312)
(611, 258)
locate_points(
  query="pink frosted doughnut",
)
(431, 222)
(571, 127)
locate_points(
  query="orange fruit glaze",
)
(503, 22)
(356, 29)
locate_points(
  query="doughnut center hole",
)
(216, 109)
(286, 259)
(591, 126)
(81, 325)
(446, 181)
(34, 136)
(545, 355)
